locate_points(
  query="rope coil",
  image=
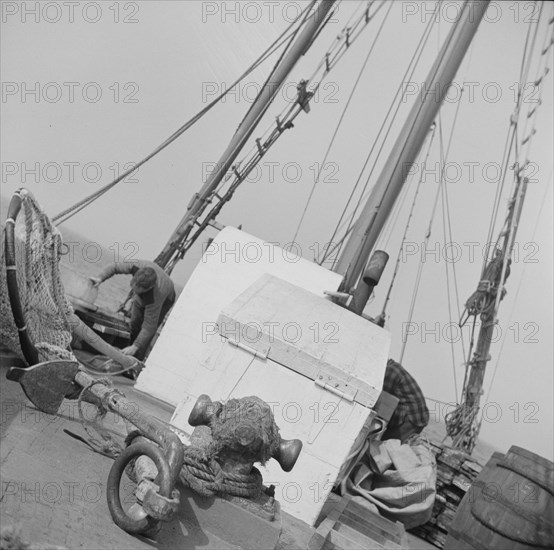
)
(206, 477)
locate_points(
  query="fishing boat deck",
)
(54, 486)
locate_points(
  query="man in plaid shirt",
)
(411, 414)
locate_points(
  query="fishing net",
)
(47, 311)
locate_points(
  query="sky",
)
(89, 88)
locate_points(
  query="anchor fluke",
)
(46, 384)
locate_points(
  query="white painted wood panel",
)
(230, 265)
(328, 424)
(257, 300)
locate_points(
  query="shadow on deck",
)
(53, 486)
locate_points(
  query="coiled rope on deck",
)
(205, 476)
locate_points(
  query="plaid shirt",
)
(400, 383)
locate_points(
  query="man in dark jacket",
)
(411, 414)
(153, 297)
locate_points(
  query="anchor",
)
(47, 384)
(155, 445)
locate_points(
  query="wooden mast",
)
(495, 289)
(266, 95)
(379, 205)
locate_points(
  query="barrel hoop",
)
(510, 504)
(533, 457)
(529, 473)
(480, 510)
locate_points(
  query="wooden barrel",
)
(509, 506)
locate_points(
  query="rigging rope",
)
(542, 71)
(71, 211)
(419, 272)
(352, 217)
(185, 242)
(450, 228)
(283, 122)
(387, 231)
(543, 201)
(519, 166)
(404, 236)
(445, 217)
(339, 123)
(406, 77)
(277, 63)
(462, 424)
(511, 139)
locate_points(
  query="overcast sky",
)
(89, 88)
